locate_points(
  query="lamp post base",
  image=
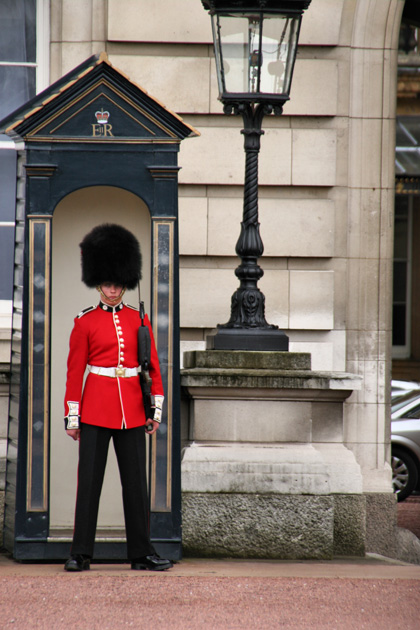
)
(248, 339)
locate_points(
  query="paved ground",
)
(373, 593)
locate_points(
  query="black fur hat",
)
(111, 253)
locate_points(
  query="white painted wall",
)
(74, 217)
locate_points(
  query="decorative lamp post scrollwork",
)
(255, 44)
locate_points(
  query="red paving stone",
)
(219, 603)
(369, 593)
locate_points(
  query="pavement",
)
(370, 593)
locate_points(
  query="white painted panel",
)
(186, 21)
(312, 300)
(180, 83)
(158, 21)
(193, 226)
(321, 23)
(205, 296)
(314, 157)
(76, 215)
(314, 90)
(217, 157)
(288, 227)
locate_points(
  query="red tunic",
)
(106, 336)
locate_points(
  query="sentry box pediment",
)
(92, 148)
(96, 103)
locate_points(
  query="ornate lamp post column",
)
(255, 45)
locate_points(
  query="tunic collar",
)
(111, 309)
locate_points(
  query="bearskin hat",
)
(111, 253)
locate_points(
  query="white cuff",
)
(158, 408)
(72, 420)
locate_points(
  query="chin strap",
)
(98, 288)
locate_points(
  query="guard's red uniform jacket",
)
(106, 336)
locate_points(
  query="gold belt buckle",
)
(120, 371)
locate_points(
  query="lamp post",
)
(255, 44)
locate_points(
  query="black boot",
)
(77, 563)
(151, 563)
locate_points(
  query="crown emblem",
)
(102, 117)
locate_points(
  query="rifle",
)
(143, 351)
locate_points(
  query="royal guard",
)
(104, 341)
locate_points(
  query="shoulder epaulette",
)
(132, 307)
(86, 310)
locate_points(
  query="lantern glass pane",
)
(235, 36)
(279, 42)
(254, 52)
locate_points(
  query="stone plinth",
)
(265, 472)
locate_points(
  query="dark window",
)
(18, 30)
(402, 273)
(17, 54)
(17, 86)
(7, 184)
(6, 261)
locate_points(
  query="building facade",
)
(327, 186)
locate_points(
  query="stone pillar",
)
(265, 473)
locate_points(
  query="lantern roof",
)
(95, 102)
(267, 6)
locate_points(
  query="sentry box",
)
(92, 148)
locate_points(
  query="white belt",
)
(113, 372)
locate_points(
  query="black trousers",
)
(130, 449)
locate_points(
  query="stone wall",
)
(326, 181)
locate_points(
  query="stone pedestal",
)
(265, 473)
